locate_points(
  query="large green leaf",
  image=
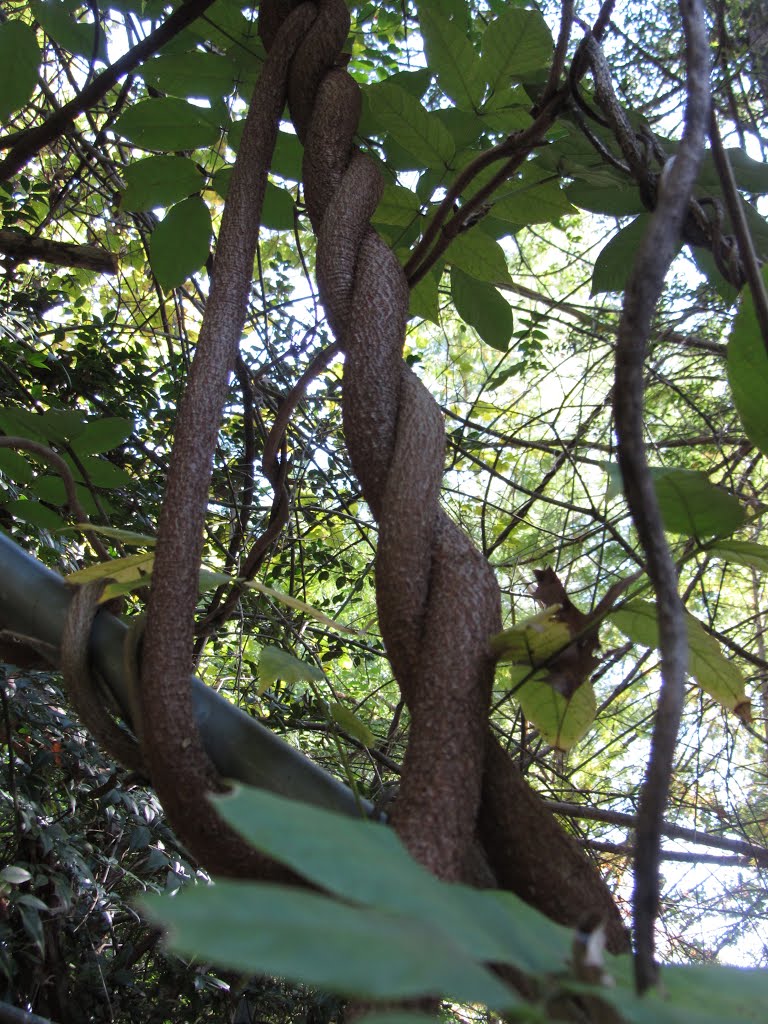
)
(308, 938)
(59, 19)
(366, 863)
(715, 674)
(102, 435)
(561, 720)
(19, 65)
(180, 244)
(481, 306)
(417, 130)
(479, 256)
(742, 552)
(168, 125)
(748, 372)
(533, 199)
(190, 74)
(398, 206)
(516, 47)
(452, 57)
(693, 506)
(620, 200)
(616, 259)
(160, 181)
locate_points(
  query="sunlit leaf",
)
(301, 606)
(561, 720)
(124, 570)
(716, 675)
(127, 537)
(275, 664)
(351, 724)
(532, 640)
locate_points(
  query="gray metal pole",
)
(34, 602)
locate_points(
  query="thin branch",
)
(656, 253)
(30, 143)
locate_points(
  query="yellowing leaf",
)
(124, 570)
(533, 640)
(715, 674)
(275, 664)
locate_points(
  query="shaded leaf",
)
(398, 206)
(59, 19)
(19, 65)
(363, 862)
(425, 298)
(180, 244)
(160, 181)
(15, 875)
(168, 124)
(127, 537)
(301, 606)
(616, 259)
(479, 256)
(195, 73)
(305, 937)
(748, 372)
(742, 552)
(102, 435)
(716, 675)
(34, 513)
(693, 506)
(482, 307)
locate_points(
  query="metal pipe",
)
(34, 602)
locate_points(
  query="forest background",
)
(121, 126)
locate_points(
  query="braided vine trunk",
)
(437, 597)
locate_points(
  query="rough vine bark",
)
(437, 596)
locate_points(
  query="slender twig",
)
(656, 253)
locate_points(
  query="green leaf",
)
(15, 466)
(123, 570)
(715, 674)
(415, 129)
(398, 206)
(294, 602)
(15, 875)
(275, 664)
(452, 57)
(363, 862)
(288, 157)
(479, 256)
(102, 435)
(622, 199)
(59, 20)
(693, 506)
(751, 175)
(482, 307)
(561, 720)
(398, 1017)
(425, 298)
(127, 537)
(308, 938)
(748, 371)
(191, 74)
(742, 552)
(616, 259)
(532, 202)
(532, 640)
(168, 124)
(160, 181)
(351, 724)
(34, 513)
(516, 46)
(19, 66)
(180, 244)
(278, 210)
(103, 473)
